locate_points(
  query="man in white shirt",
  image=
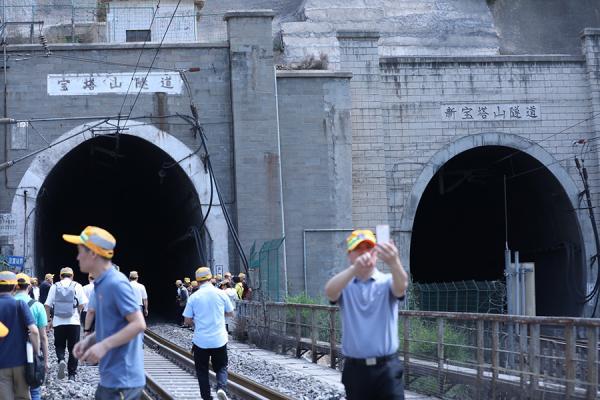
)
(140, 292)
(206, 310)
(67, 299)
(88, 290)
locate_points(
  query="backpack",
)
(65, 302)
(35, 368)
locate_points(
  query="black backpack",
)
(35, 369)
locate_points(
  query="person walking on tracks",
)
(65, 300)
(117, 341)
(140, 292)
(181, 299)
(45, 287)
(368, 302)
(41, 320)
(17, 321)
(206, 310)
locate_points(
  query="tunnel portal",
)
(461, 227)
(136, 191)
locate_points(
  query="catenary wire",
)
(153, 60)
(139, 59)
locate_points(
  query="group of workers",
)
(368, 301)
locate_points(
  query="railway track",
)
(170, 374)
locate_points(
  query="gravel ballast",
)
(292, 383)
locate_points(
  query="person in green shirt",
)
(40, 318)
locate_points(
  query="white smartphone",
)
(382, 232)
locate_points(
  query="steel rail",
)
(237, 385)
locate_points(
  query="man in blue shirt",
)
(117, 341)
(40, 318)
(18, 319)
(206, 310)
(368, 302)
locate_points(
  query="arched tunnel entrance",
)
(460, 226)
(139, 193)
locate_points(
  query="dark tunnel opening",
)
(460, 227)
(137, 192)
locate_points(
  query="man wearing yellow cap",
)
(65, 301)
(242, 289)
(117, 342)
(17, 318)
(206, 310)
(368, 302)
(45, 287)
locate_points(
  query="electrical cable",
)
(194, 122)
(152, 63)
(547, 138)
(16, 160)
(537, 168)
(138, 60)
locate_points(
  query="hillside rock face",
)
(407, 27)
(302, 28)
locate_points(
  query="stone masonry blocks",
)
(358, 54)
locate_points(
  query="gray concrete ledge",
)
(358, 35)
(305, 73)
(114, 46)
(249, 14)
(483, 59)
(590, 32)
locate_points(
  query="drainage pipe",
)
(285, 278)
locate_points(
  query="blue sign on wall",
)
(16, 262)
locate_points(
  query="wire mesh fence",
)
(450, 355)
(462, 296)
(88, 22)
(265, 266)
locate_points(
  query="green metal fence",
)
(267, 262)
(463, 296)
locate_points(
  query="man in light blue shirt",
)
(206, 310)
(117, 342)
(368, 302)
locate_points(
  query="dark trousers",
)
(377, 382)
(218, 358)
(104, 393)
(65, 337)
(179, 317)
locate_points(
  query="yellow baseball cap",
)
(66, 271)
(23, 278)
(8, 278)
(48, 276)
(96, 239)
(203, 274)
(359, 236)
(3, 330)
(194, 284)
(241, 275)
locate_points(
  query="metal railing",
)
(451, 355)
